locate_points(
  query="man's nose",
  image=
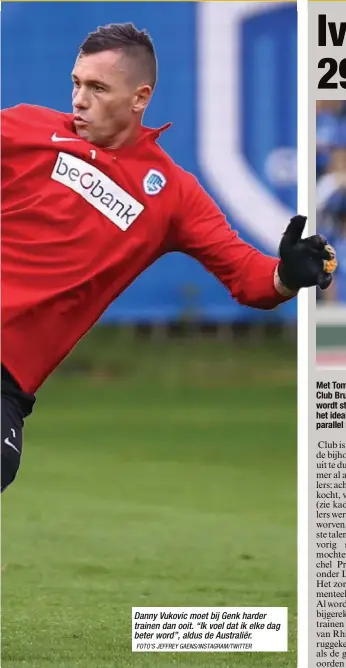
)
(80, 98)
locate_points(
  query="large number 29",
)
(333, 69)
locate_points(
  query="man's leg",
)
(11, 440)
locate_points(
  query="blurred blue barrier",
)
(39, 44)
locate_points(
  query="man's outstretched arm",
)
(254, 279)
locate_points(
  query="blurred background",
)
(160, 463)
(331, 221)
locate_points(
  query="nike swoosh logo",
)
(56, 138)
(8, 442)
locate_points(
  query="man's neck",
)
(125, 137)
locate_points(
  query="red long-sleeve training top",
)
(80, 223)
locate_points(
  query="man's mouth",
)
(79, 121)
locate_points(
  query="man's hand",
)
(304, 262)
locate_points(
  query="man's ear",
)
(141, 98)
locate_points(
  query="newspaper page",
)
(152, 523)
(327, 382)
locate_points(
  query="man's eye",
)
(98, 88)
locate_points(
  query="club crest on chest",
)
(153, 182)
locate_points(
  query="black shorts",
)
(16, 405)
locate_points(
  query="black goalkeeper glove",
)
(305, 262)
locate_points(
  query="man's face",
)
(338, 161)
(106, 96)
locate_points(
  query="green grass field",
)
(172, 481)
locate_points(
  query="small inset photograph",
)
(331, 221)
